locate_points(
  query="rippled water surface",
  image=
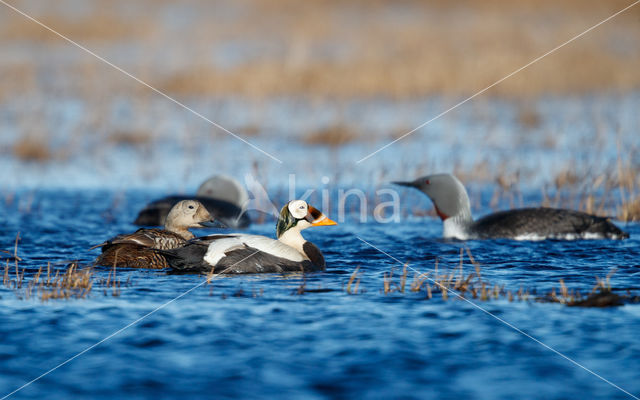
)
(255, 336)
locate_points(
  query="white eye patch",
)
(298, 208)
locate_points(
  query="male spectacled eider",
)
(133, 250)
(223, 196)
(244, 254)
(452, 205)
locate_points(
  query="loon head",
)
(222, 187)
(447, 194)
(298, 215)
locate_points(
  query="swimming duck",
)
(133, 250)
(223, 196)
(243, 254)
(452, 205)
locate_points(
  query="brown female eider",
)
(134, 250)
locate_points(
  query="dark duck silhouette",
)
(244, 254)
(134, 250)
(452, 205)
(223, 197)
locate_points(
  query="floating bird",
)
(243, 254)
(133, 250)
(452, 205)
(223, 196)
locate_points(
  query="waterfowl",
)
(452, 205)
(133, 250)
(243, 254)
(223, 196)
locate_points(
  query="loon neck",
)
(458, 226)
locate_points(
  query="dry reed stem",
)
(601, 296)
(353, 277)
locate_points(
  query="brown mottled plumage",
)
(133, 250)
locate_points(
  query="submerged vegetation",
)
(455, 284)
(54, 284)
(71, 282)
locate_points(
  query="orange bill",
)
(324, 221)
(319, 218)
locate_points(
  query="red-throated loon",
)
(452, 205)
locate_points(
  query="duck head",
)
(300, 215)
(189, 214)
(446, 192)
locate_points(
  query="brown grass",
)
(32, 149)
(73, 283)
(48, 284)
(456, 284)
(628, 186)
(361, 49)
(130, 138)
(602, 295)
(354, 277)
(104, 25)
(333, 136)
(440, 51)
(630, 211)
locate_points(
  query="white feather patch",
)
(298, 208)
(452, 228)
(218, 248)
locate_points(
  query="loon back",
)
(542, 223)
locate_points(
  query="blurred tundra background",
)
(319, 85)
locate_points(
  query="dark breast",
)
(314, 254)
(545, 223)
(155, 213)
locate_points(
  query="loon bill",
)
(452, 205)
(244, 254)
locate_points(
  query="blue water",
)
(255, 337)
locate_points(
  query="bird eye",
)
(427, 182)
(191, 207)
(302, 207)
